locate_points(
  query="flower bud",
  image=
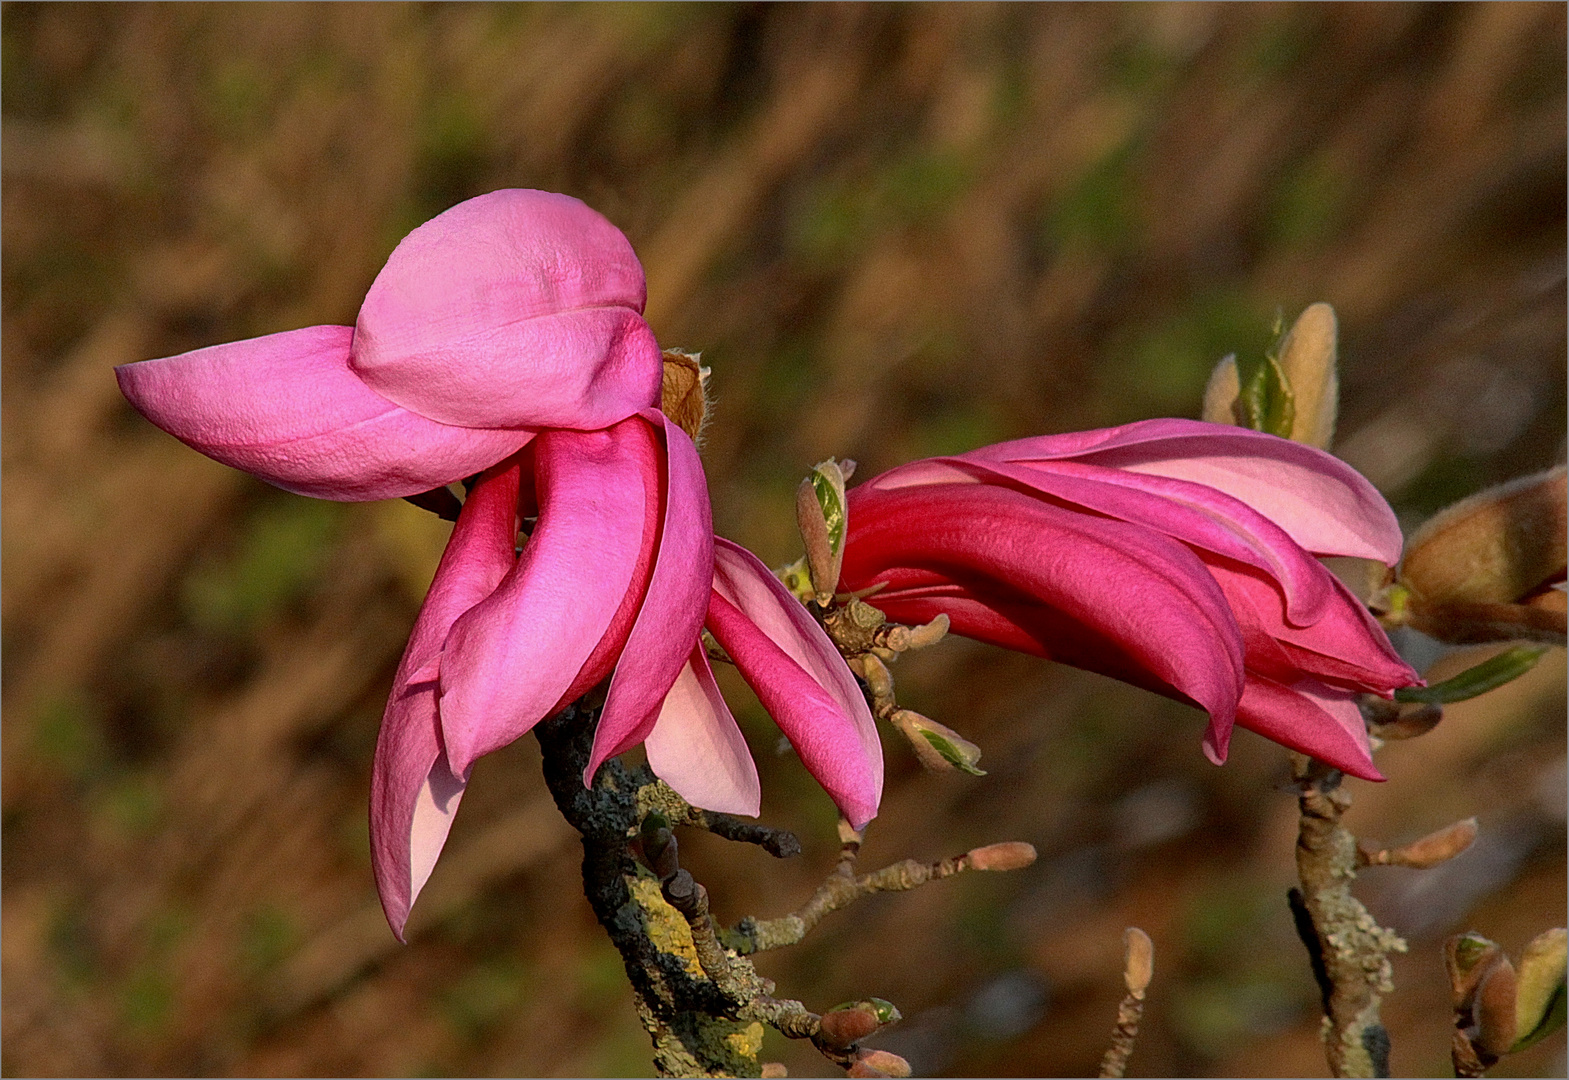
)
(1493, 1009)
(1307, 357)
(683, 392)
(1010, 855)
(939, 747)
(774, 1070)
(1483, 569)
(820, 513)
(847, 1025)
(1539, 990)
(1139, 962)
(1432, 849)
(1468, 958)
(878, 1063)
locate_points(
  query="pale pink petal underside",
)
(414, 793)
(288, 409)
(1321, 502)
(673, 608)
(696, 748)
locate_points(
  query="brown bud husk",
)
(938, 746)
(1468, 958)
(1010, 855)
(684, 392)
(1139, 962)
(774, 1070)
(1493, 1009)
(1409, 722)
(842, 1028)
(1483, 569)
(1307, 356)
(878, 1063)
(1221, 393)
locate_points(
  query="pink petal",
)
(800, 678)
(509, 660)
(514, 309)
(696, 748)
(1147, 600)
(672, 611)
(1321, 502)
(1310, 717)
(414, 793)
(288, 409)
(1345, 646)
(1198, 516)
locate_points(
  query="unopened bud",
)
(1220, 394)
(820, 512)
(660, 850)
(1493, 1009)
(1502, 546)
(684, 391)
(878, 1063)
(847, 1025)
(774, 1070)
(1139, 962)
(1010, 855)
(904, 638)
(1468, 958)
(1430, 850)
(939, 747)
(1307, 357)
(1540, 988)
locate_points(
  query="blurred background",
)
(892, 232)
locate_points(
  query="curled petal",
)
(672, 610)
(800, 678)
(1309, 716)
(1344, 646)
(1321, 502)
(1136, 589)
(696, 748)
(288, 409)
(414, 793)
(510, 659)
(514, 309)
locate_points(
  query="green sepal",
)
(1488, 675)
(1264, 401)
(954, 755)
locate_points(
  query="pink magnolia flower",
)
(1172, 554)
(504, 340)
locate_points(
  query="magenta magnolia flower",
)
(504, 338)
(1172, 554)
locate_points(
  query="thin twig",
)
(1138, 967)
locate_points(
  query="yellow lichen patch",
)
(749, 1042)
(666, 928)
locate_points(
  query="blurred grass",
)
(893, 232)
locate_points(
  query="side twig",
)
(1138, 968)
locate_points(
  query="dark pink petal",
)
(1150, 602)
(1199, 516)
(672, 610)
(288, 409)
(1321, 502)
(514, 309)
(414, 793)
(800, 678)
(509, 659)
(1344, 647)
(1308, 716)
(696, 748)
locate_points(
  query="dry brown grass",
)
(892, 231)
